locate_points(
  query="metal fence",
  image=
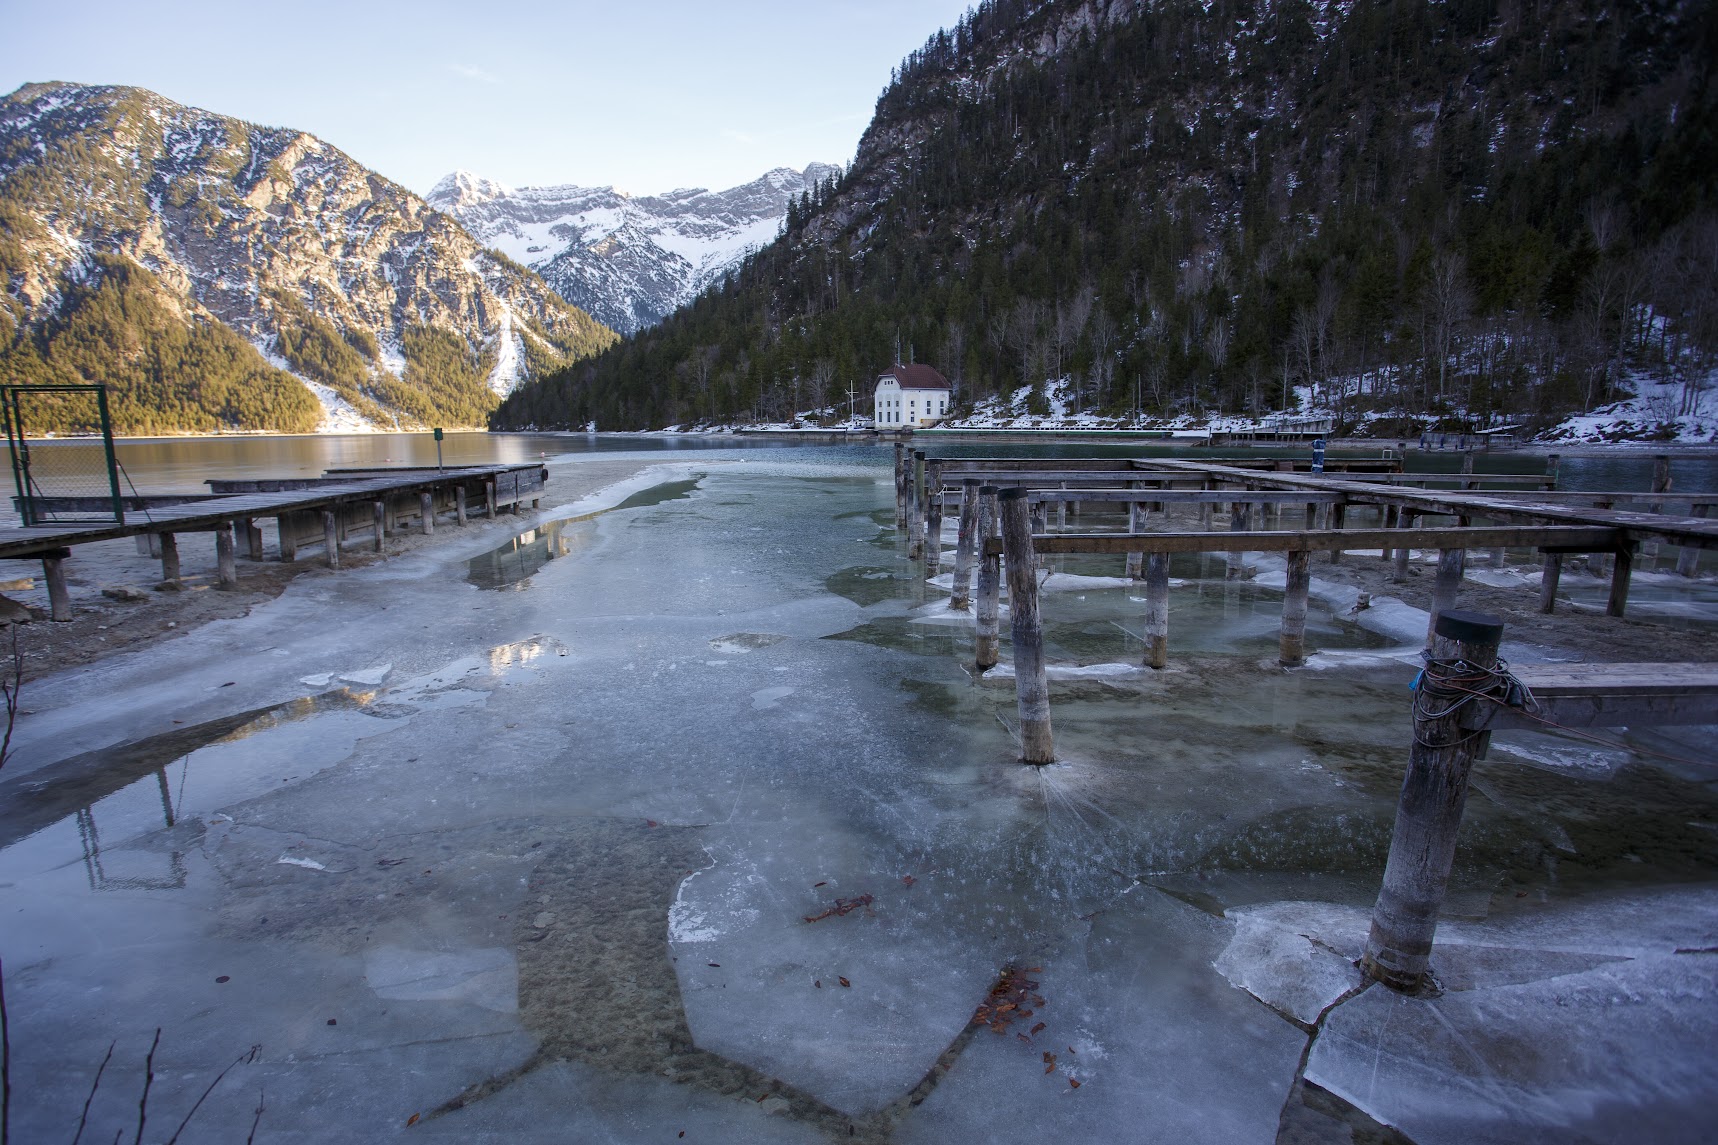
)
(63, 465)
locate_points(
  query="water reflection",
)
(513, 563)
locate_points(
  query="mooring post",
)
(1135, 524)
(331, 538)
(459, 503)
(226, 566)
(288, 537)
(379, 522)
(1291, 647)
(489, 497)
(1618, 603)
(1240, 513)
(1157, 610)
(1553, 462)
(1391, 515)
(1688, 559)
(1451, 563)
(169, 558)
(1031, 687)
(426, 512)
(915, 518)
(900, 485)
(59, 596)
(961, 597)
(1404, 520)
(1429, 809)
(987, 644)
(1548, 578)
(1338, 517)
(253, 538)
(1660, 479)
(934, 516)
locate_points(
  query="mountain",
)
(1416, 211)
(628, 260)
(219, 275)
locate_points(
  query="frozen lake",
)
(520, 844)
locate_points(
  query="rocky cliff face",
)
(628, 260)
(387, 308)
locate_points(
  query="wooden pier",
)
(307, 511)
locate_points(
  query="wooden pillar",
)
(933, 516)
(1553, 572)
(59, 596)
(961, 596)
(226, 567)
(1207, 514)
(1553, 462)
(1660, 479)
(379, 522)
(489, 497)
(1429, 809)
(331, 539)
(1688, 559)
(1240, 518)
(1157, 610)
(1135, 524)
(1311, 521)
(989, 582)
(1391, 515)
(1031, 686)
(1451, 563)
(1618, 603)
(1061, 511)
(169, 558)
(253, 538)
(1338, 518)
(900, 486)
(915, 521)
(1291, 647)
(1404, 520)
(426, 512)
(288, 537)
(459, 503)
(1467, 467)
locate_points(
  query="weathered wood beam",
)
(1606, 695)
(1569, 537)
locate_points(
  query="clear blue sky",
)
(646, 95)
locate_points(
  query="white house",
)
(911, 396)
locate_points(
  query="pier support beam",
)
(59, 596)
(933, 516)
(459, 504)
(253, 539)
(331, 538)
(1548, 580)
(1157, 610)
(288, 538)
(1031, 685)
(489, 497)
(987, 641)
(1404, 520)
(1618, 603)
(961, 597)
(226, 567)
(1291, 647)
(426, 512)
(170, 559)
(900, 486)
(1135, 567)
(379, 522)
(1240, 521)
(1688, 560)
(1338, 518)
(1451, 564)
(1429, 810)
(915, 518)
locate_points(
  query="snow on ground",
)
(1652, 414)
(509, 355)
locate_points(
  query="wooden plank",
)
(1606, 695)
(1480, 537)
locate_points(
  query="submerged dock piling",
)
(1031, 685)
(933, 516)
(1291, 646)
(1434, 792)
(170, 559)
(961, 596)
(987, 642)
(426, 512)
(1157, 610)
(900, 485)
(1451, 564)
(379, 517)
(59, 596)
(226, 565)
(331, 538)
(1548, 580)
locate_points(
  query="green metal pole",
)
(112, 460)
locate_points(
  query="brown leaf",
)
(1071, 1050)
(761, 1096)
(1074, 1082)
(842, 980)
(650, 822)
(818, 983)
(1051, 1068)
(908, 879)
(1024, 1038)
(824, 883)
(1038, 1027)
(411, 1121)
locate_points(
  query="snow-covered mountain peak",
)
(464, 189)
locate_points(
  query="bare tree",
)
(1105, 339)
(1446, 303)
(821, 378)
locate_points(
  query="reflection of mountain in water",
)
(512, 564)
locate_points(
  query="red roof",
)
(916, 377)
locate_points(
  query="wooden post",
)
(459, 503)
(253, 538)
(1451, 563)
(426, 512)
(489, 497)
(961, 597)
(1688, 559)
(1553, 572)
(331, 539)
(1207, 513)
(59, 596)
(1553, 462)
(1031, 686)
(1157, 610)
(1618, 603)
(1429, 809)
(288, 537)
(1391, 515)
(1291, 647)
(1338, 517)
(933, 516)
(1062, 511)
(169, 558)
(1240, 518)
(915, 520)
(1660, 479)
(1466, 468)
(226, 567)
(987, 644)
(1135, 524)
(1404, 520)
(1311, 515)
(379, 526)
(900, 486)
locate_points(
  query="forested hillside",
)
(1433, 210)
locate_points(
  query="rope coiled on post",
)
(1444, 687)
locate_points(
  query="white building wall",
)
(895, 407)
